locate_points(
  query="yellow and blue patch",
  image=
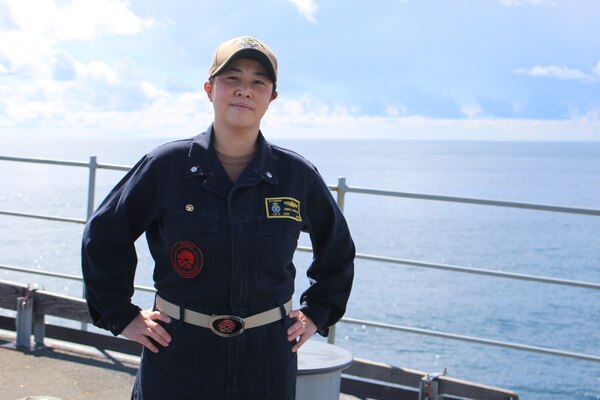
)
(283, 207)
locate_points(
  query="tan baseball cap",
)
(243, 47)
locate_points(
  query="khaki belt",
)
(222, 325)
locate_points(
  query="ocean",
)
(521, 241)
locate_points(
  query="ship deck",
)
(67, 371)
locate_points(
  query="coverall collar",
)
(203, 162)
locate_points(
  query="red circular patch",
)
(186, 259)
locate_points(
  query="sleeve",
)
(109, 258)
(332, 269)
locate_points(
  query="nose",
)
(243, 90)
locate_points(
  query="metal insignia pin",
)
(194, 168)
(189, 208)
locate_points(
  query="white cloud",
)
(394, 110)
(184, 114)
(99, 100)
(471, 110)
(37, 28)
(24, 53)
(596, 69)
(555, 71)
(86, 89)
(44, 82)
(309, 118)
(43, 85)
(79, 19)
(5, 64)
(307, 8)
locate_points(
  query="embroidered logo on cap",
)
(187, 259)
(249, 42)
(283, 207)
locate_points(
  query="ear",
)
(208, 89)
(274, 95)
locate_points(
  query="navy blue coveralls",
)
(219, 248)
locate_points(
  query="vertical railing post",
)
(428, 388)
(93, 167)
(341, 189)
(24, 320)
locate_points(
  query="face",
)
(240, 94)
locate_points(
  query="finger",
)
(161, 316)
(159, 319)
(303, 339)
(148, 344)
(155, 330)
(298, 318)
(160, 334)
(157, 338)
(297, 325)
(297, 329)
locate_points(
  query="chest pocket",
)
(197, 233)
(278, 241)
(185, 222)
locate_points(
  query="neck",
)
(234, 143)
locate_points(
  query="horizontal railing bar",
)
(351, 189)
(471, 339)
(476, 271)
(78, 278)
(469, 270)
(487, 272)
(65, 163)
(44, 217)
(452, 268)
(46, 161)
(145, 288)
(467, 200)
(40, 272)
(427, 332)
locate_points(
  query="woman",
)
(222, 213)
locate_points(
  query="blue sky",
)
(406, 69)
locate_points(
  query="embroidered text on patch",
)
(283, 207)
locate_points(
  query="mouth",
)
(241, 106)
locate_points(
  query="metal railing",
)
(342, 189)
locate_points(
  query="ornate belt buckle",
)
(226, 325)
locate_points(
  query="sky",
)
(378, 69)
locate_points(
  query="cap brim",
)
(254, 55)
